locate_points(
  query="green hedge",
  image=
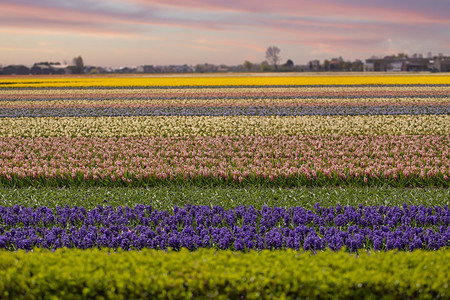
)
(100, 274)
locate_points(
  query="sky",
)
(117, 33)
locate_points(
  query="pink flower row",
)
(230, 158)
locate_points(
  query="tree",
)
(248, 65)
(273, 56)
(265, 66)
(200, 68)
(79, 65)
(326, 65)
(289, 64)
(357, 65)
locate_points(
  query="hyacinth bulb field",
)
(258, 167)
(311, 131)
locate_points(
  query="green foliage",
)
(297, 181)
(104, 274)
(168, 197)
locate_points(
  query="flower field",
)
(250, 165)
(241, 229)
(285, 161)
(311, 131)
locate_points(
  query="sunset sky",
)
(115, 33)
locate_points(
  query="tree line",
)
(273, 63)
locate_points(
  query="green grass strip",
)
(168, 197)
(81, 274)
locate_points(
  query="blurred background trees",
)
(273, 56)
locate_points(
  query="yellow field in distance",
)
(220, 80)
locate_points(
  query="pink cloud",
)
(319, 8)
(16, 15)
(241, 28)
(282, 15)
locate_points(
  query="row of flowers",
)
(280, 160)
(225, 111)
(241, 229)
(233, 80)
(234, 92)
(225, 102)
(225, 126)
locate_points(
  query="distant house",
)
(441, 63)
(416, 64)
(334, 64)
(16, 70)
(61, 69)
(39, 69)
(125, 70)
(177, 69)
(408, 64)
(386, 64)
(145, 69)
(47, 69)
(314, 65)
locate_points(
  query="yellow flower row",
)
(225, 126)
(234, 80)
